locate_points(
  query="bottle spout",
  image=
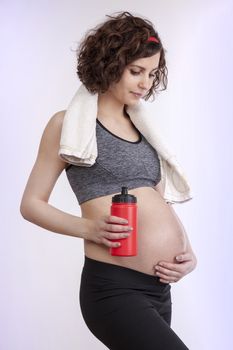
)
(124, 190)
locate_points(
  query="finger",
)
(110, 235)
(164, 281)
(169, 266)
(184, 257)
(117, 219)
(169, 279)
(169, 275)
(117, 228)
(110, 244)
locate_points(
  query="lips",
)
(137, 94)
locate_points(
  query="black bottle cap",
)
(124, 197)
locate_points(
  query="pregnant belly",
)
(161, 235)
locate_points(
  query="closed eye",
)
(136, 73)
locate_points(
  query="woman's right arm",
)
(34, 205)
(45, 172)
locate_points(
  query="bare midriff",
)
(161, 236)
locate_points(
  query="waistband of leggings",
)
(120, 273)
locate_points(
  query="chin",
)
(132, 101)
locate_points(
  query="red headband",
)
(152, 38)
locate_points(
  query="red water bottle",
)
(124, 205)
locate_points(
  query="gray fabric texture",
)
(119, 163)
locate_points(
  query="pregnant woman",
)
(125, 301)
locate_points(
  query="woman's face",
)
(136, 80)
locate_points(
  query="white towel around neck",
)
(78, 144)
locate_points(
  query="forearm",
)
(45, 215)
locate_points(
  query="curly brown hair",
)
(107, 49)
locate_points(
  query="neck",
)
(110, 108)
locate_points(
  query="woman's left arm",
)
(186, 263)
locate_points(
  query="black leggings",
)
(127, 309)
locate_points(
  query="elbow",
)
(23, 210)
(26, 209)
(29, 208)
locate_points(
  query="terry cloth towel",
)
(78, 143)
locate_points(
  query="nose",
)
(145, 82)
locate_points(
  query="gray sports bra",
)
(119, 163)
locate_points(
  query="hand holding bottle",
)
(107, 228)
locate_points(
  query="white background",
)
(40, 270)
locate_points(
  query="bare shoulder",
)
(56, 121)
(59, 116)
(50, 140)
